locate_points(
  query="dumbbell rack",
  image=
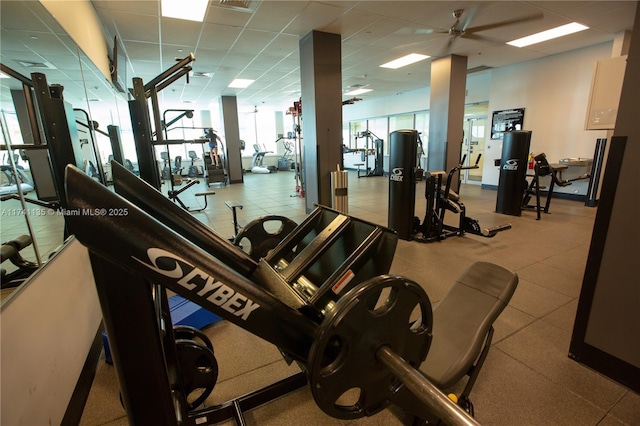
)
(284, 298)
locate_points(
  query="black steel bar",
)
(233, 409)
(130, 319)
(161, 208)
(125, 235)
(310, 254)
(15, 74)
(116, 143)
(170, 80)
(170, 71)
(295, 237)
(427, 393)
(59, 129)
(31, 112)
(139, 111)
(157, 122)
(94, 144)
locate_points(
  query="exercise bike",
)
(440, 199)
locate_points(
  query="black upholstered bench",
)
(463, 326)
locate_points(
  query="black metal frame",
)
(439, 200)
(141, 119)
(91, 128)
(270, 298)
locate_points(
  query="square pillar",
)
(229, 112)
(446, 116)
(321, 82)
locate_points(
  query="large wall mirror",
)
(33, 43)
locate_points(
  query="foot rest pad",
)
(462, 319)
(233, 204)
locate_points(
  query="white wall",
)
(415, 100)
(555, 93)
(48, 327)
(553, 90)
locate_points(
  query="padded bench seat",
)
(462, 321)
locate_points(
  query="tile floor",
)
(527, 378)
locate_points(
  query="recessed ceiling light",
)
(357, 92)
(404, 61)
(178, 9)
(560, 31)
(240, 83)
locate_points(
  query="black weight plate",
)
(261, 241)
(186, 332)
(346, 379)
(198, 370)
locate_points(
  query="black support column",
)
(321, 81)
(229, 111)
(446, 116)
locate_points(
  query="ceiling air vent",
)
(478, 69)
(40, 65)
(243, 5)
(201, 74)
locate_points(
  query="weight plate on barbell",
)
(263, 234)
(186, 332)
(198, 369)
(346, 379)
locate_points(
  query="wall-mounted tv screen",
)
(119, 66)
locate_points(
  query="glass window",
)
(356, 127)
(422, 126)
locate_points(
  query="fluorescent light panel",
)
(240, 83)
(404, 61)
(357, 92)
(191, 10)
(563, 30)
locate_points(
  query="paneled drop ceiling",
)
(259, 40)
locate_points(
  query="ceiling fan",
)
(461, 29)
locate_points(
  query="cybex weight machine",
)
(323, 296)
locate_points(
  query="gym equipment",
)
(513, 171)
(166, 168)
(257, 165)
(313, 296)
(542, 168)
(256, 240)
(296, 113)
(198, 371)
(141, 119)
(439, 196)
(440, 199)
(377, 148)
(215, 174)
(11, 252)
(286, 161)
(11, 180)
(194, 171)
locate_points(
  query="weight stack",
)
(403, 149)
(513, 171)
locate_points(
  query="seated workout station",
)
(327, 244)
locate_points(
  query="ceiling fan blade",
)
(446, 50)
(469, 14)
(503, 23)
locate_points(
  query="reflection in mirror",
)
(15, 214)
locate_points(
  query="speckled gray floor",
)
(527, 378)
